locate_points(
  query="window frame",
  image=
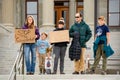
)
(37, 22)
(108, 13)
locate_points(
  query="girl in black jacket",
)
(59, 50)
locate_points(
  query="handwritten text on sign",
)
(24, 35)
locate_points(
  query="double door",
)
(63, 12)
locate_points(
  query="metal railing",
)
(3, 27)
(18, 66)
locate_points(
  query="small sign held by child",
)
(48, 64)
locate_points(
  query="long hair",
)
(32, 25)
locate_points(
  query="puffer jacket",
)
(84, 30)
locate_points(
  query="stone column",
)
(102, 8)
(0, 11)
(40, 9)
(18, 15)
(89, 19)
(48, 13)
(47, 16)
(72, 11)
(7, 12)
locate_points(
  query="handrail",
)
(3, 27)
(17, 65)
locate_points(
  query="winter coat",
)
(75, 48)
(107, 49)
(84, 30)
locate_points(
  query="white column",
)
(72, 11)
(89, 12)
(0, 11)
(102, 8)
(7, 12)
(40, 8)
(48, 13)
(18, 12)
(89, 19)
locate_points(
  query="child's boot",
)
(44, 71)
(40, 70)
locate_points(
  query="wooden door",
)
(80, 9)
(61, 11)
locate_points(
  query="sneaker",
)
(91, 72)
(62, 73)
(82, 72)
(103, 73)
(75, 72)
(31, 73)
(28, 73)
(53, 73)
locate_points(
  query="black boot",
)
(44, 70)
(40, 71)
(75, 72)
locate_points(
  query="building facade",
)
(48, 12)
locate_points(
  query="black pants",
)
(59, 53)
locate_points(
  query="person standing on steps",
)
(30, 48)
(101, 45)
(59, 50)
(85, 34)
(42, 45)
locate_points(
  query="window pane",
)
(114, 19)
(31, 7)
(55, 17)
(35, 18)
(80, 3)
(66, 3)
(114, 6)
(64, 15)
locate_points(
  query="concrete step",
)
(4, 77)
(64, 77)
(8, 51)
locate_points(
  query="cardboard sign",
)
(59, 36)
(24, 35)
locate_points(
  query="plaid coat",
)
(75, 47)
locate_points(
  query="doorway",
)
(61, 11)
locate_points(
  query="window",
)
(79, 6)
(32, 9)
(114, 13)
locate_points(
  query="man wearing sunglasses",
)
(85, 34)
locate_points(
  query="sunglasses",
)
(77, 16)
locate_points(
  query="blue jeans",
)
(30, 57)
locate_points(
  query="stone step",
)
(63, 77)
